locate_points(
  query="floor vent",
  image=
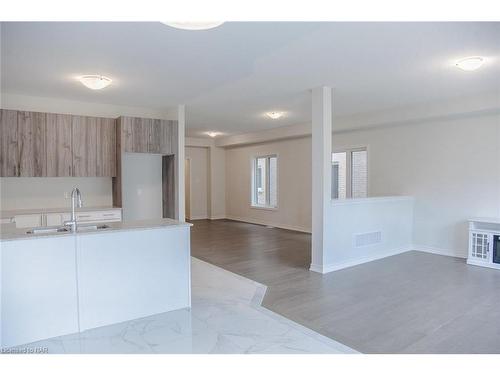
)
(367, 239)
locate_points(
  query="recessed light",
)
(470, 63)
(275, 115)
(212, 134)
(95, 82)
(193, 25)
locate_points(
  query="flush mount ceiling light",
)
(212, 134)
(275, 115)
(470, 63)
(95, 82)
(194, 25)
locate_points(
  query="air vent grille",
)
(367, 239)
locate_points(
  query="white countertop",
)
(486, 220)
(26, 211)
(9, 232)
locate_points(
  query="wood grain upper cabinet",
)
(125, 134)
(141, 134)
(161, 134)
(9, 155)
(84, 146)
(106, 147)
(31, 132)
(59, 148)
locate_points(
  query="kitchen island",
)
(55, 283)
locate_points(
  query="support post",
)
(321, 176)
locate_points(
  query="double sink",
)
(80, 228)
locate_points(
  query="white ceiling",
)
(229, 76)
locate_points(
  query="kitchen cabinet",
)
(29, 220)
(84, 146)
(38, 219)
(31, 129)
(9, 156)
(141, 134)
(146, 135)
(106, 147)
(59, 145)
(161, 137)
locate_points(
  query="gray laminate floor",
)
(409, 303)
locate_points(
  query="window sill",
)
(268, 208)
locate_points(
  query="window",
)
(265, 181)
(350, 174)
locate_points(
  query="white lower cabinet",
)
(58, 218)
(29, 221)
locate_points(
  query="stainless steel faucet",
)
(76, 201)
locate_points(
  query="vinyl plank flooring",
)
(408, 303)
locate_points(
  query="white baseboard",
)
(354, 262)
(217, 217)
(438, 251)
(263, 222)
(199, 217)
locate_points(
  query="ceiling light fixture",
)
(212, 134)
(95, 82)
(275, 115)
(193, 25)
(470, 63)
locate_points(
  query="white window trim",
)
(348, 150)
(253, 166)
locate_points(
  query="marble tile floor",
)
(226, 317)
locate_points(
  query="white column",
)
(321, 176)
(180, 209)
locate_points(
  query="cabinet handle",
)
(108, 214)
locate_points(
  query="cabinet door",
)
(127, 139)
(9, 156)
(32, 144)
(479, 246)
(53, 219)
(28, 221)
(160, 137)
(84, 146)
(106, 147)
(59, 154)
(155, 135)
(141, 130)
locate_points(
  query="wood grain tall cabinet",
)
(153, 136)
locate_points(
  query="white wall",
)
(26, 192)
(142, 186)
(199, 183)
(391, 216)
(216, 174)
(294, 184)
(451, 166)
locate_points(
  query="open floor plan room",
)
(250, 188)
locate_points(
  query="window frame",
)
(267, 189)
(349, 150)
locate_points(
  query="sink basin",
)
(81, 228)
(47, 230)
